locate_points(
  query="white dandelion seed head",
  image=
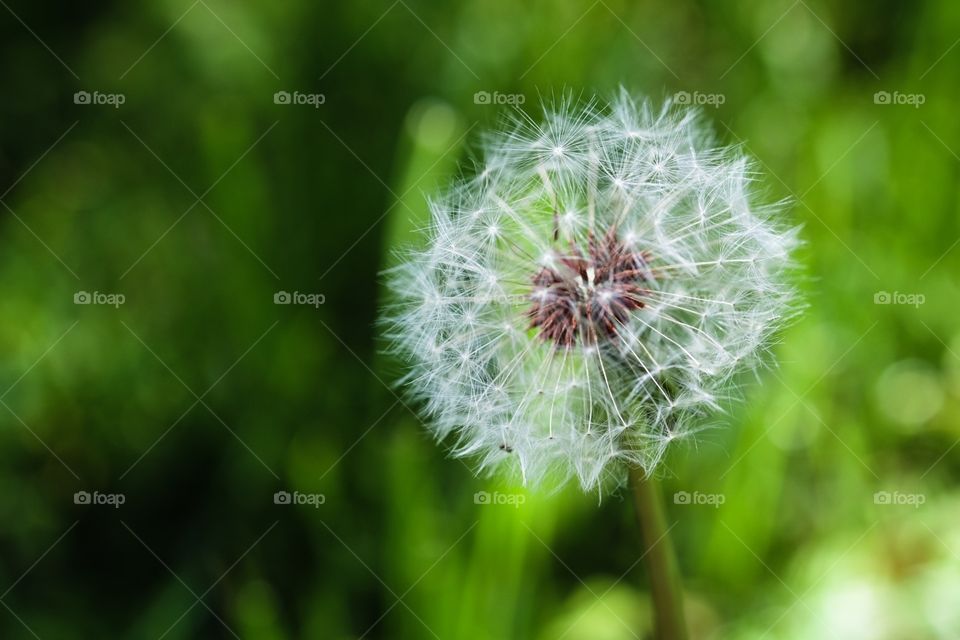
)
(586, 298)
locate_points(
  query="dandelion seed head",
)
(586, 299)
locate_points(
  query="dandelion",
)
(588, 296)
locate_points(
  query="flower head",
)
(586, 297)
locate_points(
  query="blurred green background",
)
(196, 400)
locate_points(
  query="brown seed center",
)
(589, 296)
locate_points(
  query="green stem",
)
(659, 558)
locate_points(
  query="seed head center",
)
(589, 296)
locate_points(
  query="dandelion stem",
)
(659, 557)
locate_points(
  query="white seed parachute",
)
(587, 296)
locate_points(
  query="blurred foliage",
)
(198, 398)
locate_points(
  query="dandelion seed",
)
(587, 297)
